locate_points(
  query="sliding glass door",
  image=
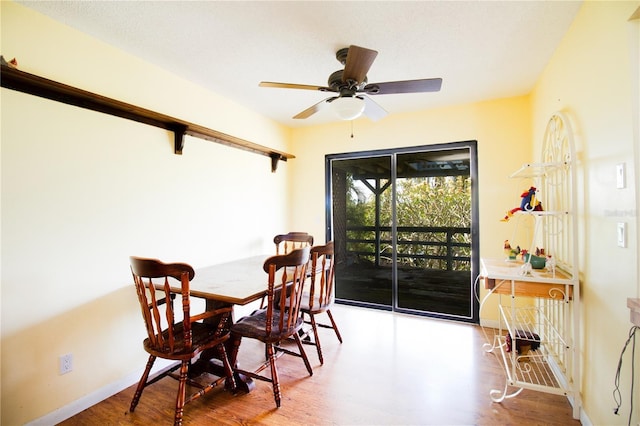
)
(403, 224)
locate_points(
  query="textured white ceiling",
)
(481, 49)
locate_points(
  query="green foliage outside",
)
(427, 202)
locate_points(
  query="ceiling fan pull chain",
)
(351, 129)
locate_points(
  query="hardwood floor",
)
(392, 369)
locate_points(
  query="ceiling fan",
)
(352, 86)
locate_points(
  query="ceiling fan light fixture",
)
(348, 107)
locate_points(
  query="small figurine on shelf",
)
(528, 203)
(551, 265)
(511, 253)
(507, 248)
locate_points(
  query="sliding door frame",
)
(471, 145)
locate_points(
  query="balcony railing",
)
(434, 247)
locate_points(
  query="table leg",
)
(244, 383)
(209, 361)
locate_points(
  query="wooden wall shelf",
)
(12, 78)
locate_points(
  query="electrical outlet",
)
(66, 363)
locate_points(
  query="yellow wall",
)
(81, 191)
(590, 78)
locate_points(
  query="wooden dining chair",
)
(285, 243)
(176, 335)
(320, 296)
(281, 318)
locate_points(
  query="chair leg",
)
(233, 347)
(230, 383)
(335, 327)
(142, 383)
(314, 326)
(182, 387)
(303, 354)
(274, 374)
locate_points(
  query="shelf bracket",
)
(275, 157)
(178, 138)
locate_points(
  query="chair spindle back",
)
(151, 278)
(293, 267)
(285, 243)
(322, 275)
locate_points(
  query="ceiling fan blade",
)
(358, 62)
(372, 110)
(314, 108)
(295, 86)
(407, 86)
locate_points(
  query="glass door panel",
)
(361, 204)
(433, 217)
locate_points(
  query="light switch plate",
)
(620, 176)
(622, 234)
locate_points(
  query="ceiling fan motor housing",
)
(336, 83)
(341, 55)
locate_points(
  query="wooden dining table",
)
(238, 282)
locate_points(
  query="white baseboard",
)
(70, 410)
(584, 419)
